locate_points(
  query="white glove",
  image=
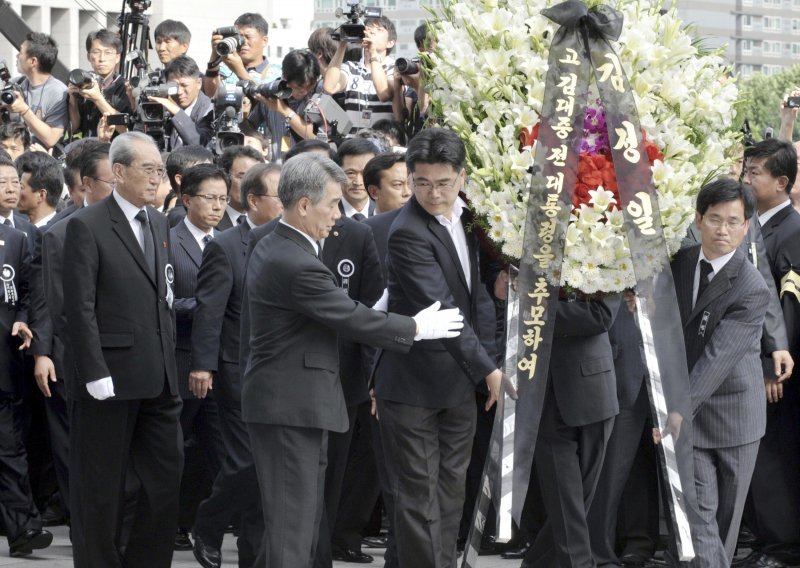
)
(433, 323)
(101, 389)
(382, 305)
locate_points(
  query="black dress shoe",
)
(348, 555)
(30, 540)
(182, 541)
(207, 556)
(374, 541)
(761, 560)
(633, 560)
(516, 553)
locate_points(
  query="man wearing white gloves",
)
(291, 391)
(118, 280)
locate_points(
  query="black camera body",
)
(81, 79)
(8, 94)
(322, 109)
(5, 74)
(353, 30)
(227, 109)
(793, 102)
(233, 40)
(154, 113)
(407, 66)
(275, 89)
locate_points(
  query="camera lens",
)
(7, 96)
(228, 46)
(80, 78)
(406, 66)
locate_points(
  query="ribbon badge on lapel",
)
(7, 277)
(169, 275)
(703, 324)
(346, 269)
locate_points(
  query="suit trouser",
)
(108, 438)
(58, 428)
(235, 491)
(620, 455)
(772, 511)
(480, 447)
(390, 555)
(568, 462)
(17, 509)
(338, 450)
(290, 462)
(722, 476)
(360, 486)
(428, 469)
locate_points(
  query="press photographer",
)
(410, 98)
(172, 40)
(191, 110)
(103, 91)
(237, 54)
(38, 98)
(281, 111)
(367, 84)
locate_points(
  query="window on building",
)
(771, 48)
(771, 69)
(772, 3)
(746, 46)
(745, 70)
(795, 48)
(324, 5)
(771, 24)
(795, 4)
(747, 22)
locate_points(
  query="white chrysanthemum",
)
(487, 83)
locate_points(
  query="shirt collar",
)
(308, 238)
(769, 213)
(188, 110)
(45, 220)
(10, 217)
(128, 209)
(250, 222)
(197, 233)
(718, 263)
(260, 67)
(233, 214)
(458, 209)
(349, 210)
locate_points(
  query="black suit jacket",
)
(424, 267)
(629, 368)
(117, 309)
(176, 214)
(14, 257)
(296, 312)
(380, 225)
(348, 249)
(721, 332)
(220, 282)
(371, 207)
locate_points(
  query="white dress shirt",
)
(456, 230)
(716, 265)
(233, 214)
(198, 233)
(10, 217)
(130, 211)
(769, 213)
(349, 210)
(44, 220)
(312, 241)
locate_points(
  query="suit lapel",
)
(330, 250)
(123, 230)
(720, 284)
(686, 272)
(444, 237)
(769, 228)
(161, 245)
(189, 244)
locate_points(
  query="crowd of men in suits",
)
(291, 349)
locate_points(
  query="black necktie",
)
(207, 239)
(149, 246)
(319, 250)
(240, 219)
(7, 222)
(705, 270)
(358, 217)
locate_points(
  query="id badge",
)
(366, 115)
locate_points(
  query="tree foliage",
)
(762, 100)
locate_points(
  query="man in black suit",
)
(295, 312)
(215, 363)
(353, 155)
(177, 161)
(194, 127)
(18, 512)
(426, 399)
(204, 194)
(722, 300)
(126, 411)
(773, 509)
(236, 160)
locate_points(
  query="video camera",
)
(323, 111)
(353, 30)
(227, 110)
(233, 40)
(81, 79)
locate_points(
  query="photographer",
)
(283, 118)
(172, 40)
(245, 63)
(103, 94)
(410, 98)
(41, 99)
(192, 111)
(368, 84)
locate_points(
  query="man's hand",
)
(200, 382)
(20, 329)
(494, 381)
(501, 286)
(373, 404)
(167, 103)
(433, 323)
(92, 92)
(276, 105)
(19, 105)
(672, 427)
(783, 365)
(44, 372)
(774, 389)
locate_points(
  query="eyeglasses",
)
(105, 52)
(222, 199)
(267, 195)
(111, 183)
(717, 222)
(442, 186)
(151, 171)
